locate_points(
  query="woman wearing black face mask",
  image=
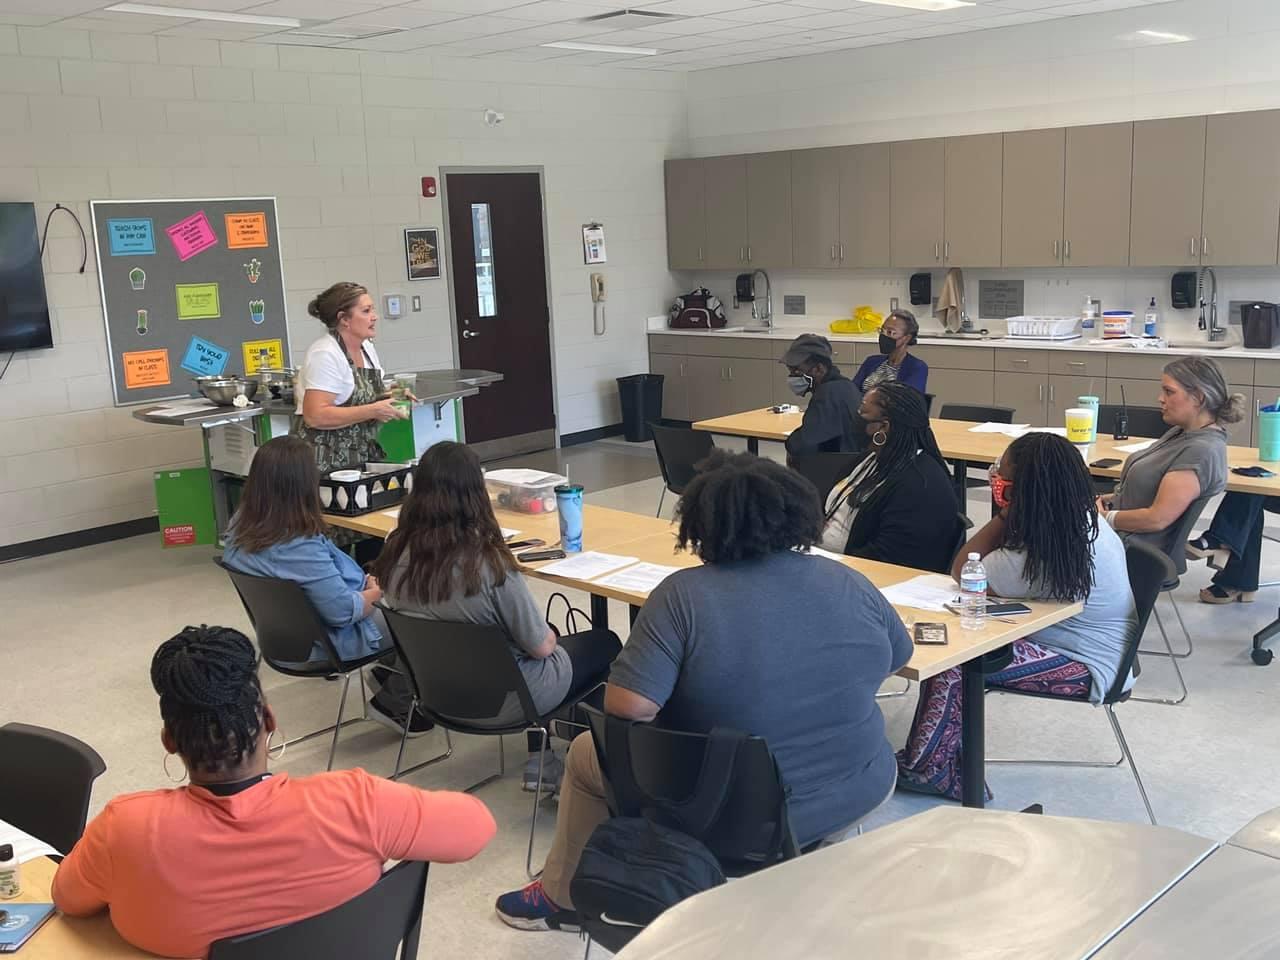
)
(830, 423)
(894, 362)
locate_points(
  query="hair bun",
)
(1233, 408)
(313, 308)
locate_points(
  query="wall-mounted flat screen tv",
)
(24, 309)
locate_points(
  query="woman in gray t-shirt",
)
(1187, 464)
(1045, 543)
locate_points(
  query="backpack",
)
(697, 310)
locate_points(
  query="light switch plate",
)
(417, 303)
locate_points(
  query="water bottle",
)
(10, 873)
(973, 594)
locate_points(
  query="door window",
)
(486, 280)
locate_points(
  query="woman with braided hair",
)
(1044, 543)
(898, 505)
(240, 849)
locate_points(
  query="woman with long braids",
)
(239, 848)
(898, 505)
(1045, 543)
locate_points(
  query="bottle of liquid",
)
(973, 594)
(1151, 320)
(10, 880)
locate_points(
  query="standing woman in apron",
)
(341, 400)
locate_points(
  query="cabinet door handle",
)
(1075, 363)
(946, 250)
(1018, 360)
(935, 250)
(1204, 246)
(1067, 249)
(731, 372)
(1055, 250)
(699, 256)
(682, 369)
(1040, 392)
(1193, 246)
(841, 246)
(833, 251)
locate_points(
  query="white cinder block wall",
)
(342, 138)
(1093, 68)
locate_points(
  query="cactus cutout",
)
(257, 310)
(142, 323)
(138, 278)
(253, 270)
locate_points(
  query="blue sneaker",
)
(531, 909)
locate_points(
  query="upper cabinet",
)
(1241, 189)
(769, 210)
(865, 196)
(1095, 214)
(815, 208)
(725, 190)
(973, 192)
(916, 202)
(1034, 175)
(1168, 190)
(686, 215)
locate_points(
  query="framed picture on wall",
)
(422, 253)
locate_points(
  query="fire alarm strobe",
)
(429, 187)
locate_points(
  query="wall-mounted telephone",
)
(597, 299)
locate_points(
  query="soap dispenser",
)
(1152, 319)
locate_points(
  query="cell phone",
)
(1007, 609)
(533, 556)
(1106, 462)
(530, 542)
(1252, 471)
(931, 633)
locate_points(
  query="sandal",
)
(1217, 594)
(1202, 548)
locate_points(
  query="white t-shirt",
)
(327, 368)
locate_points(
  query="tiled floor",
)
(80, 628)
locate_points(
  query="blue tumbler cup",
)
(1269, 433)
(569, 506)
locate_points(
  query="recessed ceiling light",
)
(1163, 35)
(602, 48)
(933, 6)
(182, 13)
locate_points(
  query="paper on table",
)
(931, 591)
(1136, 447)
(587, 566)
(1008, 429)
(394, 512)
(183, 407)
(640, 578)
(508, 533)
(25, 846)
(819, 552)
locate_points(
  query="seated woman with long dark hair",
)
(447, 560)
(239, 848)
(898, 505)
(279, 531)
(1045, 543)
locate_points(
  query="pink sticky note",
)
(192, 235)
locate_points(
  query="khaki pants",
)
(582, 809)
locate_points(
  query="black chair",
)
(1178, 560)
(645, 765)
(287, 629)
(678, 450)
(463, 675)
(1144, 422)
(1149, 570)
(48, 781)
(383, 923)
(928, 404)
(825, 470)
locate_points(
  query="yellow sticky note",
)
(198, 301)
(259, 354)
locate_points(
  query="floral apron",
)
(349, 447)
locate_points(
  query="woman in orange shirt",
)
(241, 849)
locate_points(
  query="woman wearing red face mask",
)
(1044, 543)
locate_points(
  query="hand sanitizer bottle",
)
(1151, 320)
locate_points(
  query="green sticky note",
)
(197, 301)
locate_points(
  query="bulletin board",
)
(189, 288)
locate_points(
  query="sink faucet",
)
(1215, 332)
(765, 315)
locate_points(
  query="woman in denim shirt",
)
(278, 531)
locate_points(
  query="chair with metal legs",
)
(1149, 570)
(1178, 561)
(287, 629)
(679, 449)
(464, 675)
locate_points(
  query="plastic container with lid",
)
(1116, 323)
(525, 491)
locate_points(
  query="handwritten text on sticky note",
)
(145, 368)
(246, 230)
(192, 235)
(203, 358)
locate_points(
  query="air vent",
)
(344, 31)
(631, 19)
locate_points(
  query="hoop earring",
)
(172, 778)
(879, 438)
(284, 745)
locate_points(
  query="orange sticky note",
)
(246, 230)
(146, 368)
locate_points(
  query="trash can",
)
(641, 397)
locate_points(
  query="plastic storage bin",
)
(526, 491)
(381, 485)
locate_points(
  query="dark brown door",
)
(500, 301)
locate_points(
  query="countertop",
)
(935, 338)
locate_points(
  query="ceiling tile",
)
(698, 8)
(464, 6)
(401, 17)
(756, 31)
(212, 30)
(63, 8)
(311, 9)
(233, 5)
(765, 13)
(554, 11)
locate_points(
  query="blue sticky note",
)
(131, 238)
(203, 358)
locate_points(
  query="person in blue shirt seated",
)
(894, 362)
(279, 531)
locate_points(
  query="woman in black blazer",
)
(898, 505)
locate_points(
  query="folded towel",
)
(951, 300)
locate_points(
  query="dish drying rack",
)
(1043, 328)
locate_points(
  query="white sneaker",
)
(552, 773)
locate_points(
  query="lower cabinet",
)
(1026, 393)
(960, 386)
(719, 386)
(1064, 393)
(675, 385)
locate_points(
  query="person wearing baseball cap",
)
(831, 423)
